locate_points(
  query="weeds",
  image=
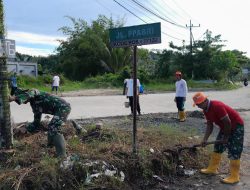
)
(112, 145)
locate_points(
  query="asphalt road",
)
(102, 106)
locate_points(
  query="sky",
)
(35, 24)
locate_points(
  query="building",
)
(21, 68)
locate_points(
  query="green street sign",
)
(135, 35)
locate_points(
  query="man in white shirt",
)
(130, 94)
(180, 95)
(55, 83)
(124, 86)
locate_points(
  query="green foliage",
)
(208, 61)
(48, 64)
(47, 162)
(146, 64)
(87, 52)
(216, 85)
(74, 142)
(106, 80)
(41, 82)
(221, 64)
(163, 64)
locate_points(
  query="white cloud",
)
(31, 38)
(34, 51)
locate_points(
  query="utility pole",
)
(191, 45)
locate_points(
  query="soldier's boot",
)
(59, 142)
(214, 163)
(234, 173)
(182, 116)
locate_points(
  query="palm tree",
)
(6, 133)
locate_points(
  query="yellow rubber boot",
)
(234, 172)
(182, 116)
(214, 163)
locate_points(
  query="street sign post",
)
(135, 36)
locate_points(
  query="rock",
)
(151, 150)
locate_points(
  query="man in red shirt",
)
(231, 135)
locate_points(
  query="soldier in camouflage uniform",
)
(42, 102)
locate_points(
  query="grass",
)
(44, 83)
(113, 145)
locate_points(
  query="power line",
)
(183, 10)
(172, 10)
(143, 12)
(104, 6)
(155, 14)
(126, 2)
(130, 11)
(160, 12)
(143, 20)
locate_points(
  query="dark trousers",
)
(131, 104)
(55, 88)
(13, 89)
(180, 103)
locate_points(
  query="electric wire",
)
(186, 13)
(104, 6)
(130, 11)
(152, 12)
(159, 11)
(143, 12)
(171, 11)
(144, 20)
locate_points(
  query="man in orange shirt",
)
(231, 135)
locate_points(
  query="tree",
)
(147, 61)
(23, 57)
(204, 50)
(164, 63)
(87, 52)
(222, 64)
(6, 134)
(48, 64)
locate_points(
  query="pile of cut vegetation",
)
(102, 157)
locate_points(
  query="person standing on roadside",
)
(230, 136)
(125, 86)
(130, 93)
(13, 83)
(181, 91)
(55, 83)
